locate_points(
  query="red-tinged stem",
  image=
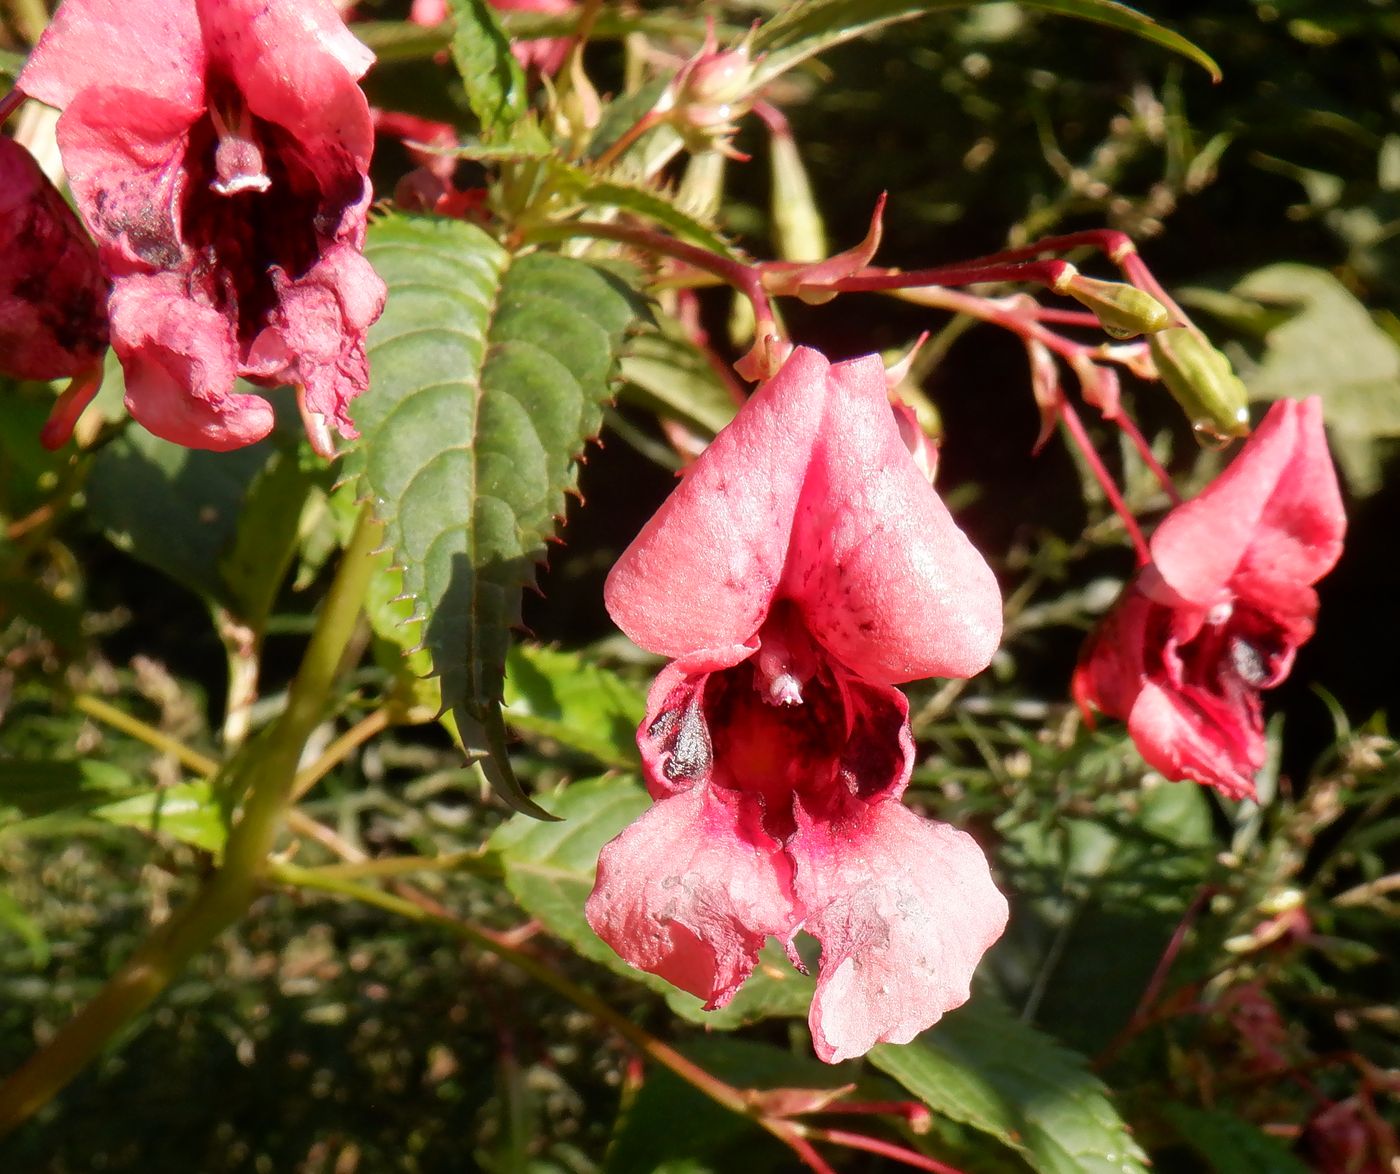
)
(63, 417)
(1150, 994)
(886, 1149)
(619, 145)
(805, 1150)
(915, 1112)
(1081, 440)
(11, 102)
(1048, 273)
(1116, 246)
(1067, 317)
(1149, 458)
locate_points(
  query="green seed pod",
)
(1123, 310)
(1201, 381)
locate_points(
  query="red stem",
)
(1149, 458)
(1080, 437)
(886, 1149)
(1049, 273)
(11, 102)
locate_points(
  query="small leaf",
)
(494, 80)
(188, 812)
(808, 27)
(564, 697)
(488, 372)
(549, 868)
(985, 1068)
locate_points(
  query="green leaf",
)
(549, 868)
(669, 374)
(1231, 1145)
(188, 812)
(563, 697)
(808, 27)
(494, 79)
(985, 1068)
(487, 375)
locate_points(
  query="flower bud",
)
(707, 95)
(1124, 311)
(53, 296)
(1201, 380)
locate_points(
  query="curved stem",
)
(227, 895)
(109, 715)
(1081, 440)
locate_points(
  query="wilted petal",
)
(691, 890)
(904, 909)
(153, 47)
(179, 360)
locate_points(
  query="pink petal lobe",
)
(691, 891)
(151, 47)
(904, 909)
(1223, 747)
(1202, 543)
(703, 571)
(124, 153)
(887, 581)
(179, 360)
(296, 65)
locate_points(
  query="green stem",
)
(226, 896)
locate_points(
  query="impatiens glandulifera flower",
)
(802, 568)
(53, 297)
(218, 152)
(1219, 612)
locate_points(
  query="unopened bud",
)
(1201, 380)
(1124, 311)
(709, 93)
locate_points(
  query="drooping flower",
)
(218, 152)
(53, 297)
(1223, 606)
(802, 568)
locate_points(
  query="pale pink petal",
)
(124, 153)
(547, 54)
(178, 358)
(704, 569)
(691, 891)
(428, 12)
(1202, 543)
(888, 583)
(904, 909)
(296, 65)
(152, 47)
(53, 296)
(1212, 742)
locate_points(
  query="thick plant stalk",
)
(227, 895)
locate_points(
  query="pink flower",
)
(1223, 606)
(803, 566)
(53, 297)
(217, 151)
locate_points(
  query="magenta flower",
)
(1223, 606)
(803, 566)
(217, 151)
(53, 297)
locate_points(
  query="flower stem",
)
(225, 897)
(110, 715)
(1081, 440)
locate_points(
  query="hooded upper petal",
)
(1270, 524)
(904, 909)
(691, 891)
(53, 296)
(811, 494)
(153, 47)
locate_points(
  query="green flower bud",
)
(1123, 310)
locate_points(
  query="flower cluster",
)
(803, 567)
(219, 160)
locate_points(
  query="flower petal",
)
(155, 48)
(810, 493)
(904, 909)
(691, 891)
(295, 64)
(178, 357)
(1277, 500)
(1222, 746)
(887, 581)
(124, 153)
